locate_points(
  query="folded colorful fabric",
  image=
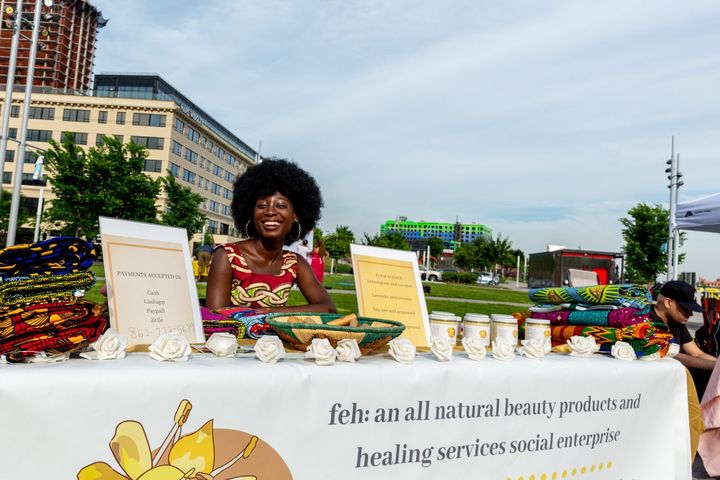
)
(231, 326)
(56, 255)
(623, 295)
(618, 318)
(69, 331)
(255, 326)
(42, 317)
(645, 338)
(18, 290)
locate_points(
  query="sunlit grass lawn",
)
(347, 302)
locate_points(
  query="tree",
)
(467, 256)
(108, 180)
(5, 212)
(183, 206)
(338, 242)
(389, 240)
(646, 230)
(497, 251)
(436, 246)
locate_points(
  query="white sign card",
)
(150, 281)
(387, 283)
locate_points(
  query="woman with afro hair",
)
(274, 204)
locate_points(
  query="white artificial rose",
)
(582, 346)
(222, 344)
(651, 357)
(673, 350)
(475, 348)
(348, 350)
(321, 351)
(110, 345)
(269, 349)
(535, 348)
(170, 347)
(623, 351)
(441, 348)
(402, 350)
(502, 349)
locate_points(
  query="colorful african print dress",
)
(259, 290)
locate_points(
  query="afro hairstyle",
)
(266, 178)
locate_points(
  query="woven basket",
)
(371, 333)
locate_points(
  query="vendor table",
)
(560, 417)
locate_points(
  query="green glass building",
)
(453, 234)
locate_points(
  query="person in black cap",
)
(674, 306)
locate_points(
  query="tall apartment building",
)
(66, 49)
(452, 234)
(179, 135)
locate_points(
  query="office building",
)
(452, 234)
(180, 137)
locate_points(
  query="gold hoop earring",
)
(299, 232)
(247, 225)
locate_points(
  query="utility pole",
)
(673, 234)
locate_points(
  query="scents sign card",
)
(151, 287)
(388, 286)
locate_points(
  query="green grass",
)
(347, 303)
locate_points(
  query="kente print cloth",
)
(233, 327)
(645, 338)
(242, 322)
(258, 290)
(56, 255)
(19, 290)
(53, 328)
(622, 317)
(622, 295)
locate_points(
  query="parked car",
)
(429, 275)
(487, 278)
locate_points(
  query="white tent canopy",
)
(701, 215)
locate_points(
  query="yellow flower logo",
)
(178, 457)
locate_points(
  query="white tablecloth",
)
(597, 417)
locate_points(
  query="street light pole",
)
(9, 86)
(37, 175)
(17, 179)
(670, 245)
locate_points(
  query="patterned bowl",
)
(299, 329)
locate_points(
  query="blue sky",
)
(546, 121)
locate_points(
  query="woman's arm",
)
(219, 281)
(317, 297)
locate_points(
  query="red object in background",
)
(602, 274)
(317, 263)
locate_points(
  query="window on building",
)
(188, 176)
(12, 133)
(76, 115)
(230, 160)
(102, 116)
(206, 185)
(191, 156)
(203, 140)
(7, 178)
(119, 138)
(9, 156)
(179, 126)
(219, 153)
(176, 148)
(216, 189)
(120, 118)
(15, 111)
(79, 138)
(213, 206)
(27, 179)
(149, 119)
(31, 157)
(151, 143)
(99, 139)
(213, 225)
(152, 165)
(218, 171)
(193, 135)
(229, 176)
(39, 135)
(227, 193)
(174, 170)
(42, 113)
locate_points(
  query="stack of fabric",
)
(41, 309)
(609, 313)
(242, 322)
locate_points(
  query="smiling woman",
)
(274, 203)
